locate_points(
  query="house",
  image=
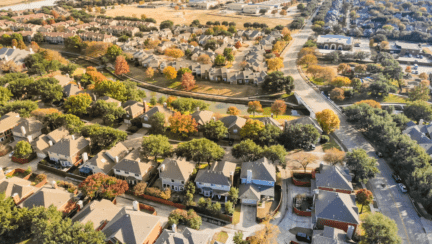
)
(151, 61)
(188, 236)
(69, 149)
(202, 116)
(132, 169)
(51, 195)
(133, 110)
(7, 123)
(409, 48)
(334, 178)
(175, 173)
(234, 124)
(145, 118)
(133, 227)
(120, 30)
(420, 133)
(110, 100)
(105, 160)
(17, 188)
(216, 181)
(206, 4)
(257, 181)
(251, 9)
(91, 36)
(42, 143)
(27, 129)
(99, 212)
(335, 42)
(330, 235)
(71, 90)
(16, 55)
(337, 210)
(235, 6)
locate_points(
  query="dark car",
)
(397, 178)
(379, 154)
(303, 237)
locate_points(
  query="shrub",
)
(324, 139)
(192, 219)
(40, 178)
(152, 191)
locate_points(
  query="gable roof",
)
(98, 212)
(30, 125)
(8, 121)
(161, 109)
(16, 185)
(188, 236)
(105, 159)
(133, 107)
(329, 235)
(57, 134)
(334, 177)
(132, 163)
(46, 197)
(177, 169)
(261, 169)
(269, 121)
(202, 117)
(69, 147)
(71, 89)
(131, 227)
(336, 206)
(230, 121)
(218, 174)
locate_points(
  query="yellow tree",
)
(285, 31)
(278, 107)
(204, 59)
(423, 76)
(307, 60)
(174, 52)
(340, 81)
(328, 120)
(232, 110)
(170, 73)
(279, 46)
(343, 68)
(267, 235)
(372, 103)
(149, 72)
(305, 51)
(337, 94)
(21, 45)
(334, 156)
(275, 64)
(121, 66)
(384, 44)
(304, 159)
(254, 107)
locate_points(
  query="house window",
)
(182, 181)
(235, 131)
(137, 175)
(126, 172)
(117, 170)
(172, 180)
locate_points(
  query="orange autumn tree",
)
(170, 73)
(42, 112)
(102, 185)
(188, 81)
(372, 103)
(174, 52)
(328, 120)
(254, 107)
(232, 110)
(183, 124)
(34, 46)
(170, 100)
(278, 107)
(238, 45)
(95, 76)
(121, 66)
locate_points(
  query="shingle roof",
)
(98, 212)
(71, 89)
(131, 227)
(16, 185)
(336, 206)
(334, 177)
(8, 121)
(262, 169)
(161, 109)
(329, 235)
(57, 134)
(218, 174)
(189, 236)
(30, 125)
(69, 147)
(132, 163)
(202, 117)
(177, 169)
(254, 192)
(134, 107)
(232, 120)
(46, 197)
(105, 159)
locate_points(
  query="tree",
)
(337, 94)
(379, 228)
(183, 124)
(5, 95)
(306, 50)
(214, 130)
(340, 81)
(78, 104)
(328, 120)
(204, 59)
(229, 207)
(56, 120)
(418, 110)
(156, 145)
(69, 68)
(408, 69)
(419, 93)
(279, 46)
(23, 149)
(149, 73)
(247, 150)
(233, 194)
(23, 108)
(334, 156)
(364, 197)
(299, 136)
(232, 110)
(372, 103)
(102, 137)
(188, 81)
(384, 45)
(363, 166)
(251, 129)
(238, 238)
(275, 64)
(102, 185)
(277, 82)
(308, 59)
(113, 52)
(200, 150)
(95, 49)
(188, 104)
(73, 43)
(278, 107)
(344, 68)
(220, 60)
(121, 66)
(423, 76)
(174, 52)
(269, 135)
(267, 235)
(238, 45)
(21, 45)
(109, 111)
(183, 71)
(48, 89)
(304, 159)
(170, 73)
(275, 153)
(254, 107)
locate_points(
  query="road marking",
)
(400, 216)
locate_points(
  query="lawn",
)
(366, 209)
(236, 215)
(394, 99)
(280, 118)
(263, 212)
(220, 237)
(331, 144)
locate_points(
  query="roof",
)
(269, 121)
(336, 206)
(16, 185)
(177, 169)
(334, 177)
(110, 100)
(254, 191)
(188, 236)
(63, 80)
(262, 169)
(46, 197)
(132, 163)
(131, 227)
(17, 55)
(329, 235)
(346, 40)
(133, 107)
(30, 125)
(230, 121)
(69, 147)
(9, 120)
(161, 109)
(218, 174)
(202, 117)
(105, 159)
(57, 134)
(71, 89)
(98, 212)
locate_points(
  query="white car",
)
(11, 154)
(402, 187)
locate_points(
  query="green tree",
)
(57, 120)
(379, 228)
(69, 68)
(22, 149)
(156, 145)
(247, 150)
(363, 166)
(78, 104)
(157, 122)
(214, 130)
(19, 86)
(276, 82)
(220, 60)
(238, 238)
(109, 111)
(102, 137)
(166, 24)
(5, 95)
(418, 110)
(113, 52)
(233, 194)
(268, 135)
(251, 130)
(200, 150)
(275, 153)
(23, 108)
(184, 105)
(299, 136)
(229, 207)
(420, 92)
(73, 43)
(48, 89)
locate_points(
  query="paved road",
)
(391, 201)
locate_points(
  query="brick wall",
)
(300, 183)
(335, 224)
(335, 190)
(302, 213)
(148, 208)
(163, 201)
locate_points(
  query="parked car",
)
(403, 188)
(379, 154)
(300, 236)
(357, 45)
(397, 178)
(11, 154)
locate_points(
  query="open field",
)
(4, 3)
(188, 15)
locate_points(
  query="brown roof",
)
(16, 185)
(132, 163)
(57, 134)
(105, 159)
(46, 197)
(8, 121)
(202, 117)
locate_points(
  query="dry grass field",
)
(188, 15)
(4, 3)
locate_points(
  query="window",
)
(235, 131)
(182, 181)
(137, 175)
(212, 184)
(172, 180)
(126, 172)
(117, 170)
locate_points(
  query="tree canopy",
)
(200, 150)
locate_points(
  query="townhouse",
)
(133, 169)
(92, 36)
(175, 173)
(42, 143)
(69, 149)
(216, 181)
(56, 37)
(120, 30)
(7, 123)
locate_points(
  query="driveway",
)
(247, 216)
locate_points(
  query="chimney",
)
(14, 47)
(80, 204)
(85, 157)
(350, 232)
(421, 122)
(316, 192)
(162, 168)
(321, 167)
(50, 143)
(232, 177)
(67, 75)
(197, 109)
(116, 159)
(79, 85)
(54, 184)
(271, 115)
(73, 137)
(165, 105)
(145, 106)
(23, 130)
(16, 198)
(174, 228)
(136, 206)
(249, 176)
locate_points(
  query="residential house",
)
(91, 36)
(42, 143)
(337, 210)
(99, 212)
(7, 123)
(132, 169)
(335, 42)
(235, 6)
(304, 121)
(420, 133)
(16, 55)
(110, 100)
(206, 4)
(246, 77)
(252, 34)
(202, 116)
(105, 160)
(334, 178)
(188, 236)
(175, 173)
(251, 9)
(71, 90)
(133, 110)
(330, 235)
(27, 129)
(56, 37)
(257, 181)
(234, 124)
(216, 181)
(69, 149)
(63, 79)
(17, 188)
(133, 227)
(145, 118)
(120, 30)
(151, 61)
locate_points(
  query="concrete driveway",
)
(247, 216)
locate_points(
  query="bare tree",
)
(304, 159)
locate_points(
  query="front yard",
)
(220, 237)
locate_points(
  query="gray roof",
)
(202, 117)
(336, 206)
(97, 212)
(188, 236)
(30, 125)
(46, 197)
(230, 121)
(69, 147)
(132, 163)
(254, 192)
(329, 235)
(346, 40)
(71, 89)
(334, 177)
(16, 185)
(177, 169)
(218, 174)
(161, 109)
(262, 169)
(419, 133)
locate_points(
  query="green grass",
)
(220, 237)
(175, 85)
(318, 82)
(366, 209)
(331, 144)
(236, 215)
(203, 166)
(287, 95)
(394, 99)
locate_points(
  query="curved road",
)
(391, 201)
